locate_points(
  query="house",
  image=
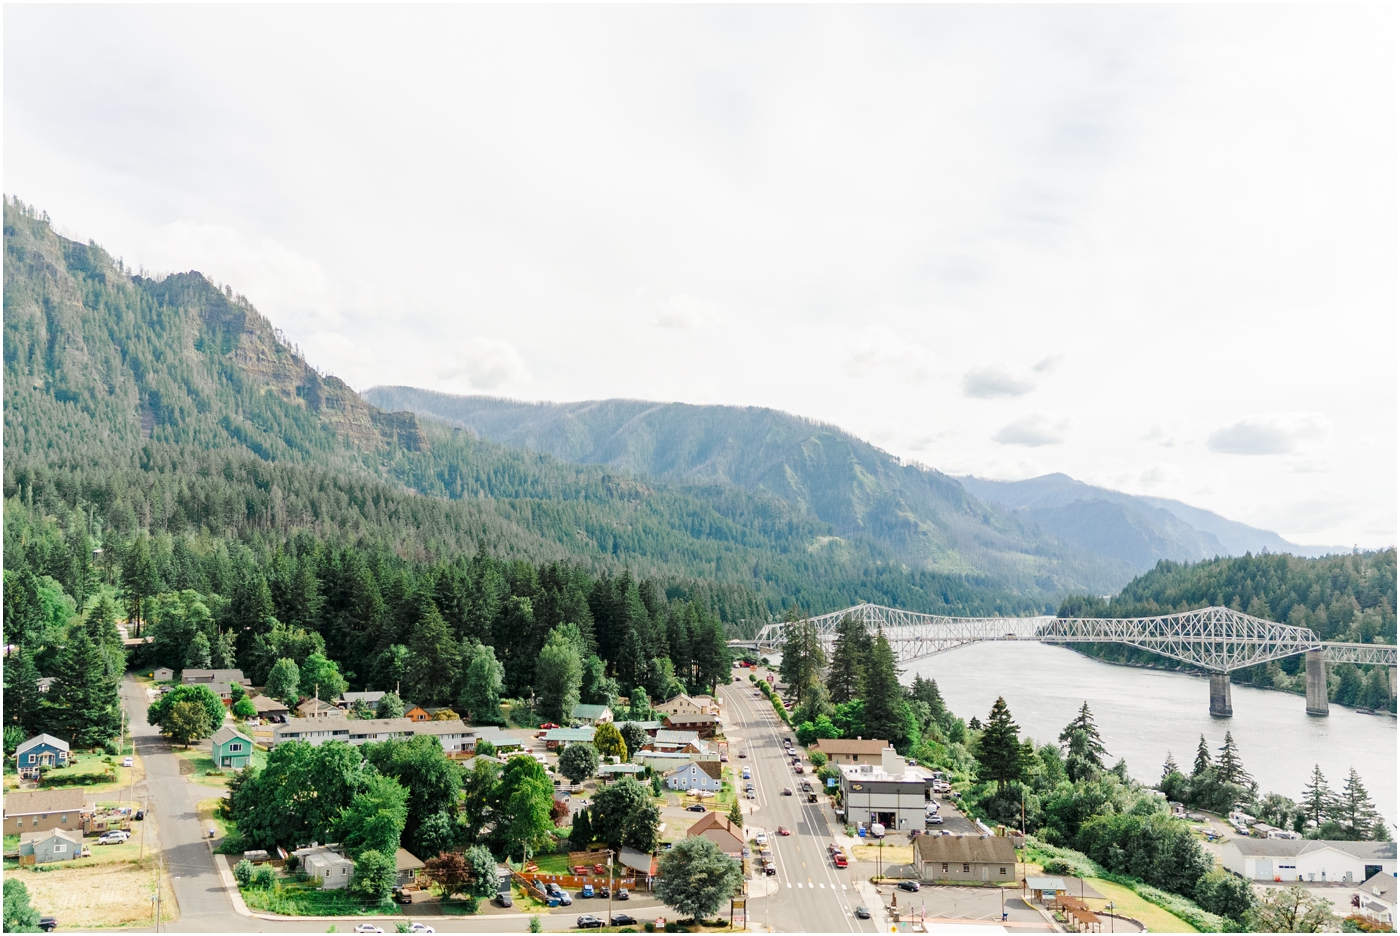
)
(609, 772)
(684, 741)
(840, 751)
(718, 829)
(688, 705)
(348, 700)
(269, 707)
(705, 724)
(163, 674)
(50, 845)
(316, 708)
(42, 750)
(1318, 860)
(230, 750)
(44, 683)
(333, 869)
(41, 810)
(418, 713)
(1375, 899)
(592, 714)
(693, 776)
(406, 866)
(964, 858)
(892, 794)
(219, 680)
(456, 738)
(470, 763)
(556, 738)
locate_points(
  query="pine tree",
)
(849, 655)
(803, 657)
(999, 753)
(198, 654)
(1354, 809)
(1229, 767)
(223, 652)
(434, 662)
(736, 814)
(1170, 767)
(1094, 750)
(886, 712)
(22, 696)
(582, 832)
(1202, 758)
(1318, 799)
(83, 707)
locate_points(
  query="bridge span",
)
(1217, 640)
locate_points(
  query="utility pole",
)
(610, 885)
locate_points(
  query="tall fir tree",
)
(999, 753)
(1229, 766)
(1094, 750)
(22, 696)
(1318, 799)
(83, 706)
(1202, 758)
(886, 712)
(1169, 767)
(850, 653)
(1354, 809)
(803, 657)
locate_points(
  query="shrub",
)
(243, 873)
(265, 877)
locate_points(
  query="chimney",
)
(891, 762)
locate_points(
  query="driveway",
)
(204, 904)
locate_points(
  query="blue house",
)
(42, 750)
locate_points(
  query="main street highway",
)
(812, 896)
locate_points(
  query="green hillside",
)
(171, 406)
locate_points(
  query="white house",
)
(1307, 860)
(1375, 899)
(456, 738)
(688, 705)
(693, 776)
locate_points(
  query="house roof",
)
(681, 699)
(621, 769)
(569, 734)
(968, 848)
(353, 697)
(225, 734)
(713, 820)
(848, 746)
(691, 718)
(644, 725)
(26, 837)
(590, 711)
(405, 861)
(1287, 848)
(214, 675)
(711, 769)
(45, 801)
(1043, 883)
(367, 726)
(1381, 885)
(315, 705)
(267, 705)
(637, 860)
(39, 739)
(670, 736)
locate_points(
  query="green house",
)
(231, 749)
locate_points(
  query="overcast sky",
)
(1151, 247)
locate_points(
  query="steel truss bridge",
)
(1214, 639)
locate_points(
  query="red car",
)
(839, 859)
(784, 830)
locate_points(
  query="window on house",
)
(235, 747)
(63, 818)
(966, 867)
(1003, 872)
(945, 867)
(59, 847)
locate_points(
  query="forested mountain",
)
(926, 518)
(1349, 598)
(1139, 530)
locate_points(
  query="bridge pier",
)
(1220, 695)
(1316, 681)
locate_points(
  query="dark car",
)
(48, 924)
(909, 885)
(604, 892)
(787, 791)
(862, 913)
(503, 900)
(589, 921)
(622, 919)
(401, 897)
(695, 807)
(622, 894)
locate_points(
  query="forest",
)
(1346, 598)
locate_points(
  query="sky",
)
(1152, 247)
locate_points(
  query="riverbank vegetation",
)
(1347, 598)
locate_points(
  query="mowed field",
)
(115, 894)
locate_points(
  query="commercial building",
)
(893, 794)
(965, 858)
(1316, 860)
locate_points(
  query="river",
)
(1142, 714)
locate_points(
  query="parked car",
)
(724, 758)
(761, 838)
(420, 928)
(48, 924)
(749, 794)
(911, 886)
(503, 899)
(743, 754)
(603, 892)
(115, 837)
(862, 913)
(933, 820)
(797, 768)
(128, 762)
(589, 921)
(400, 897)
(623, 919)
(695, 807)
(769, 868)
(587, 892)
(367, 928)
(622, 894)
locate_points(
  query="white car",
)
(761, 838)
(420, 928)
(114, 837)
(368, 928)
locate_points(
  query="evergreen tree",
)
(803, 657)
(886, 712)
(22, 696)
(139, 580)
(736, 813)
(198, 656)
(558, 676)
(581, 834)
(633, 735)
(1229, 767)
(1354, 810)
(1094, 750)
(223, 653)
(849, 655)
(1318, 799)
(83, 707)
(1170, 767)
(1202, 758)
(638, 707)
(999, 753)
(434, 662)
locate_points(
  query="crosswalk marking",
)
(822, 886)
(789, 883)
(843, 886)
(799, 883)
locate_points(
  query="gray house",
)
(50, 845)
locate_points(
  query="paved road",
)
(812, 895)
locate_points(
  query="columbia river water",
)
(1143, 713)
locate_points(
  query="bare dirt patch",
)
(894, 854)
(116, 894)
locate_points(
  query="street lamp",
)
(1110, 916)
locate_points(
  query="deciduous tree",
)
(695, 878)
(558, 676)
(578, 762)
(284, 682)
(607, 741)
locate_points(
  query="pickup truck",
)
(839, 859)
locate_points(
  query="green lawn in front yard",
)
(89, 766)
(296, 898)
(552, 864)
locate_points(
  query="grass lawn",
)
(11, 844)
(552, 864)
(209, 815)
(90, 766)
(295, 898)
(1127, 903)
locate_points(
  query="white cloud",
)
(986, 383)
(1160, 473)
(1033, 431)
(687, 313)
(487, 364)
(1049, 365)
(1268, 434)
(878, 350)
